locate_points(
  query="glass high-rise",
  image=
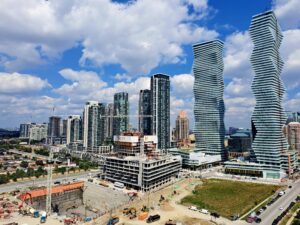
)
(109, 116)
(145, 112)
(74, 128)
(208, 91)
(269, 145)
(160, 98)
(93, 124)
(121, 113)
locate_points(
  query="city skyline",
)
(47, 72)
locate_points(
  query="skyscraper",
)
(109, 113)
(121, 113)
(145, 112)
(160, 98)
(74, 129)
(208, 91)
(182, 127)
(93, 124)
(269, 145)
(54, 127)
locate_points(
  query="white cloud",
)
(138, 35)
(238, 47)
(182, 84)
(287, 12)
(238, 87)
(16, 83)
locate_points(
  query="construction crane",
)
(49, 174)
(49, 183)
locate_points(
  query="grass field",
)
(229, 197)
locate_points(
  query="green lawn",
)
(229, 197)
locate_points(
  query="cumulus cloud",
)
(138, 35)
(182, 84)
(287, 12)
(16, 83)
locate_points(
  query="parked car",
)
(153, 218)
(194, 208)
(204, 211)
(214, 214)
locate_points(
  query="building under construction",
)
(63, 197)
(136, 163)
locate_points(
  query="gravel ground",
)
(103, 198)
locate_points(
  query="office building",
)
(93, 125)
(160, 92)
(208, 91)
(25, 130)
(121, 113)
(145, 112)
(239, 143)
(195, 160)
(182, 128)
(270, 155)
(38, 132)
(292, 134)
(74, 129)
(109, 118)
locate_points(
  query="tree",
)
(40, 171)
(39, 162)
(24, 164)
(4, 179)
(30, 172)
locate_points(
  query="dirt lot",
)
(168, 209)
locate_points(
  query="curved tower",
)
(269, 145)
(208, 91)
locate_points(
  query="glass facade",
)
(145, 110)
(269, 145)
(208, 91)
(121, 113)
(160, 88)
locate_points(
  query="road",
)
(42, 181)
(28, 154)
(273, 210)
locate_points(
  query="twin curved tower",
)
(269, 149)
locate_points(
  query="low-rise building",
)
(195, 160)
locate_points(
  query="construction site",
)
(136, 163)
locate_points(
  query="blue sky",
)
(64, 53)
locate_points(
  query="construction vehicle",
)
(43, 217)
(23, 198)
(113, 220)
(131, 212)
(145, 209)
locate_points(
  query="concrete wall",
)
(64, 200)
